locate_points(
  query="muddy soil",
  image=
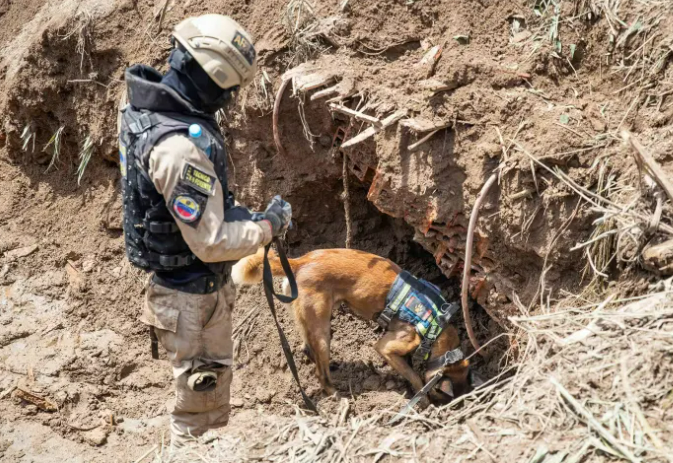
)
(69, 300)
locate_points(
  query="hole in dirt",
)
(356, 369)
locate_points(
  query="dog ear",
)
(446, 386)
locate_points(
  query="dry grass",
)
(588, 377)
(79, 28)
(28, 136)
(302, 26)
(55, 143)
(593, 382)
(84, 157)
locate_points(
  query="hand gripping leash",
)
(270, 294)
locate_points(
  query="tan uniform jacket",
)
(212, 239)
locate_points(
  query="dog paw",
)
(330, 391)
(423, 403)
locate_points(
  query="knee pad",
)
(202, 381)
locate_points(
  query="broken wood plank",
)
(424, 125)
(342, 97)
(356, 114)
(365, 134)
(435, 86)
(302, 69)
(344, 89)
(305, 83)
(40, 402)
(653, 168)
(415, 146)
(325, 93)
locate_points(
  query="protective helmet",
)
(221, 46)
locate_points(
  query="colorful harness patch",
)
(420, 304)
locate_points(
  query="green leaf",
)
(565, 119)
(573, 47)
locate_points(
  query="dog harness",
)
(420, 303)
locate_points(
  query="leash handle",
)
(270, 294)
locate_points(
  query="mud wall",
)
(487, 80)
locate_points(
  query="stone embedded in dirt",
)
(21, 252)
(659, 257)
(76, 279)
(210, 436)
(264, 395)
(236, 402)
(372, 383)
(96, 437)
(88, 265)
(521, 36)
(11, 336)
(391, 384)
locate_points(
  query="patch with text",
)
(199, 180)
(244, 46)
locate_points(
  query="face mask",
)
(211, 96)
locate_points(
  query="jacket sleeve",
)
(209, 236)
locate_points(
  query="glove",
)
(279, 215)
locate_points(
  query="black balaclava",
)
(189, 79)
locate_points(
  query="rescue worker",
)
(180, 220)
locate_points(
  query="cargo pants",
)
(195, 330)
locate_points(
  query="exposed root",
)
(276, 110)
(468, 261)
(347, 202)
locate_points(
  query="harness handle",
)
(270, 293)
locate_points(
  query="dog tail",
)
(249, 270)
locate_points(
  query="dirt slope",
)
(517, 84)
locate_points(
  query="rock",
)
(96, 437)
(659, 258)
(210, 436)
(265, 395)
(325, 141)
(88, 265)
(76, 279)
(372, 383)
(391, 385)
(107, 417)
(21, 252)
(521, 36)
(236, 402)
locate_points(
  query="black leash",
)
(415, 399)
(270, 294)
(450, 357)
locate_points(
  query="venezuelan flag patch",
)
(186, 208)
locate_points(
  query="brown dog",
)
(325, 279)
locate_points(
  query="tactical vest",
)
(153, 240)
(420, 303)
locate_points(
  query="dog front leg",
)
(393, 346)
